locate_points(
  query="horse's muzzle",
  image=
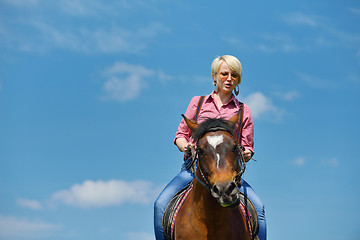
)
(226, 193)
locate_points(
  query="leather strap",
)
(241, 116)
(201, 100)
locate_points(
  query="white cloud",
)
(316, 82)
(277, 47)
(105, 193)
(327, 33)
(261, 105)
(300, 161)
(267, 43)
(31, 204)
(139, 236)
(277, 42)
(125, 81)
(301, 19)
(354, 78)
(341, 37)
(356, 11)
(81, 8)
(15, 227)
(101, 40)
(20, 3)
(163, 77)
(288, 96)
(333, 162)
(317, 32)
(41, 31)
(115, 9)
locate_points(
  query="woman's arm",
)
(182, 144)
(247, 138)
(183, 134)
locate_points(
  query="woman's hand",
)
(247, 155)
(183, 144)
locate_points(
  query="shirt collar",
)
(232, 99)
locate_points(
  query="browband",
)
(215, 129)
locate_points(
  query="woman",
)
(226, 74)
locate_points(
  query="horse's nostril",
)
(224, 189)
(215, 191)
(230, 189)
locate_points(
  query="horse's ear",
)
(233, 120)
(191, 124)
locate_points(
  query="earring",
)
(215, 87)
(236, 90)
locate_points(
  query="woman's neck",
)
(222, 98)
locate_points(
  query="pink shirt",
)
(209, 109)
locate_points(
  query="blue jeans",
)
(179, 182)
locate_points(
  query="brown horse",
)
(211, 209)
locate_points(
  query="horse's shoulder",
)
(173, 209)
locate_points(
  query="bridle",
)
(195, 163)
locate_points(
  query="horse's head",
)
(220, 161)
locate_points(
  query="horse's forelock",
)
(212, 125)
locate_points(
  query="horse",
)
(211, 209)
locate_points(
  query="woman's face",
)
(226, 79)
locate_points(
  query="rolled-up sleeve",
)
(183, 130)
(247, 136)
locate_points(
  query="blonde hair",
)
(232, 62)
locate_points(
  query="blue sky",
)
(91, 94)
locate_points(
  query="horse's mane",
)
(212, 125)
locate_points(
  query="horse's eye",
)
(201, 152)
(235, 149)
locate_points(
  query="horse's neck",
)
(220, 222)
(206, 204)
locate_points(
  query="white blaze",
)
(214, 141)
